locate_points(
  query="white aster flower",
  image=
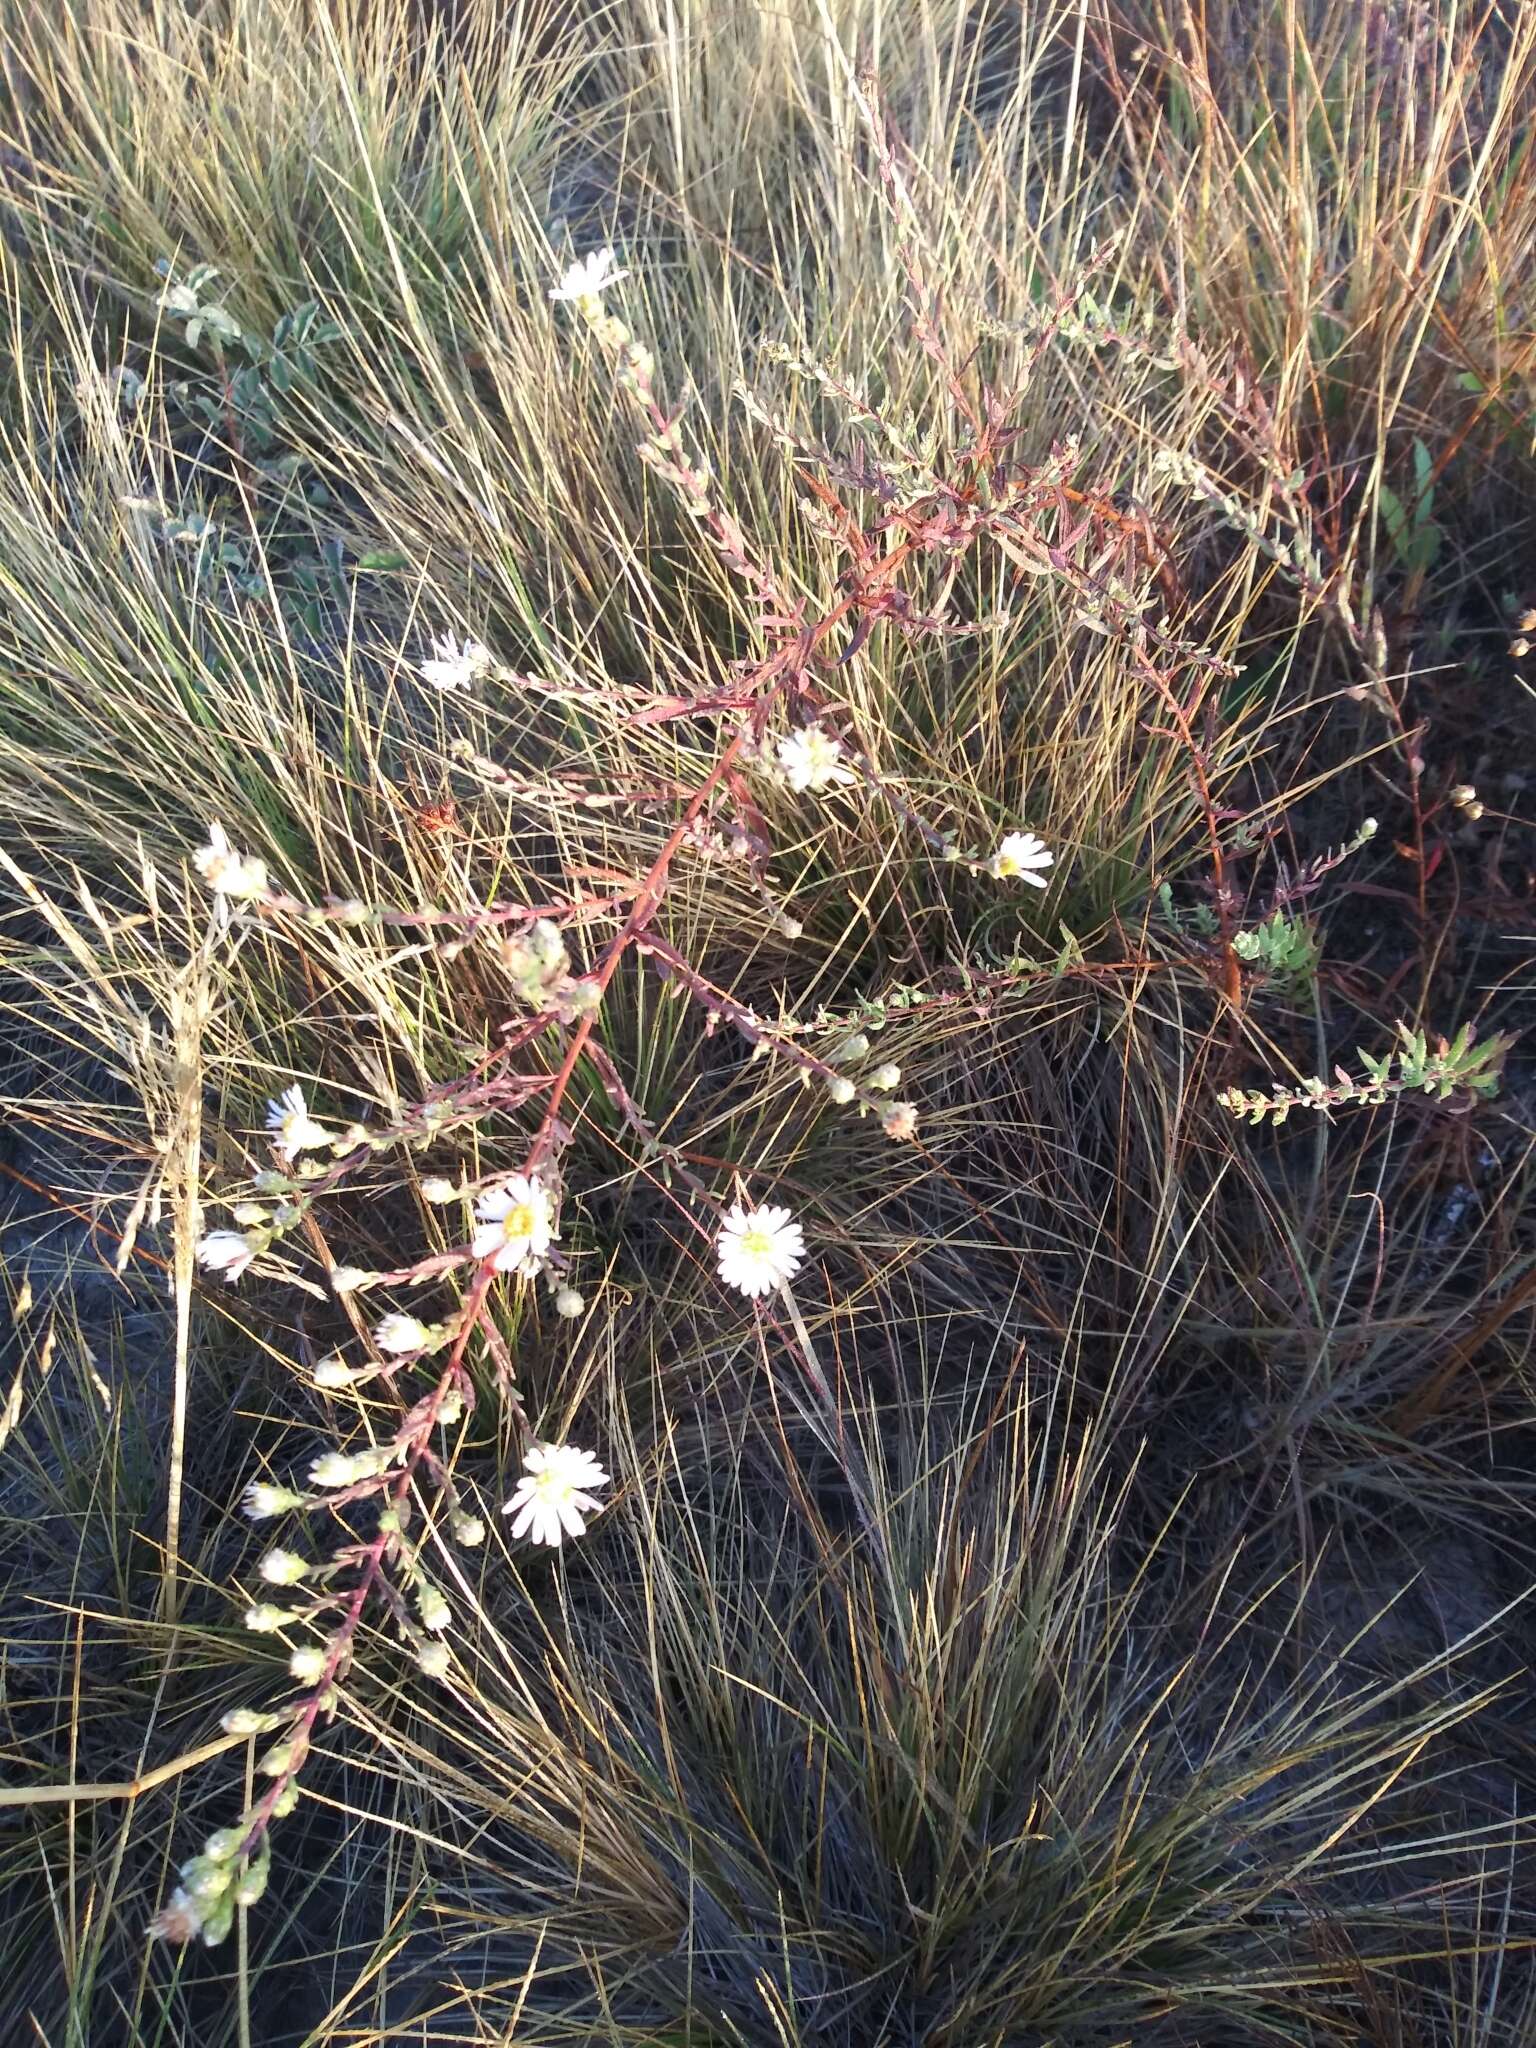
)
(263, 1500)
(227, 872)
(517, 1224)
(243, 1721)
(293, 1129)
(333, 1468)
(226, 1251)
(179, 1920)
(586, 278)
(900, 1120)
(433, 1609)
(454, 664)
(283, 1568)
(400, 1333)
(556, 1493)
(1019, 857)
(759, 1249)
(812, 759)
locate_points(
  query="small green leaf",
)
(378, 560)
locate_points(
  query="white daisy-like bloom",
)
(517, 1225)
(400, 1333)
(759, 1249)
(812, 760)
(454, 664)
(263, 1500)
(225, 1251)
(900, 1121)
(556, 1493)
(179, 1920)
(293, 1129)
(227, 872)
(588, 277)
(334, 1468)
(283, 1568)
(1019, 857)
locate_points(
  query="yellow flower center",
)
(522, 1220)
(757, 1244)
(1007, 864)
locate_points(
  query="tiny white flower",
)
(333, 1468)
(811, 759)
(900, 1120)
(517, 1224)
(885, 1078)
(454, 664)
(556, 1493)
(436, 1189)
(347, 1279)
(243, 1721)
(180, 1919)
(225, 1251)
(432, 1658)
(1019, 857)
(227, 872)
(293, 1129)
(433, 1609)
(759, 1249)
(262, 1500)
(265, 1619)
(283, 1568)
(569, 1303)
(468, 1530)
(307, 1664)
(586, 278)
(841, 1089)
(400, 1333)
(333, 1374)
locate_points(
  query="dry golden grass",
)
(1091, 1607)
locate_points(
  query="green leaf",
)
(380, 560)
(1394, 519)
